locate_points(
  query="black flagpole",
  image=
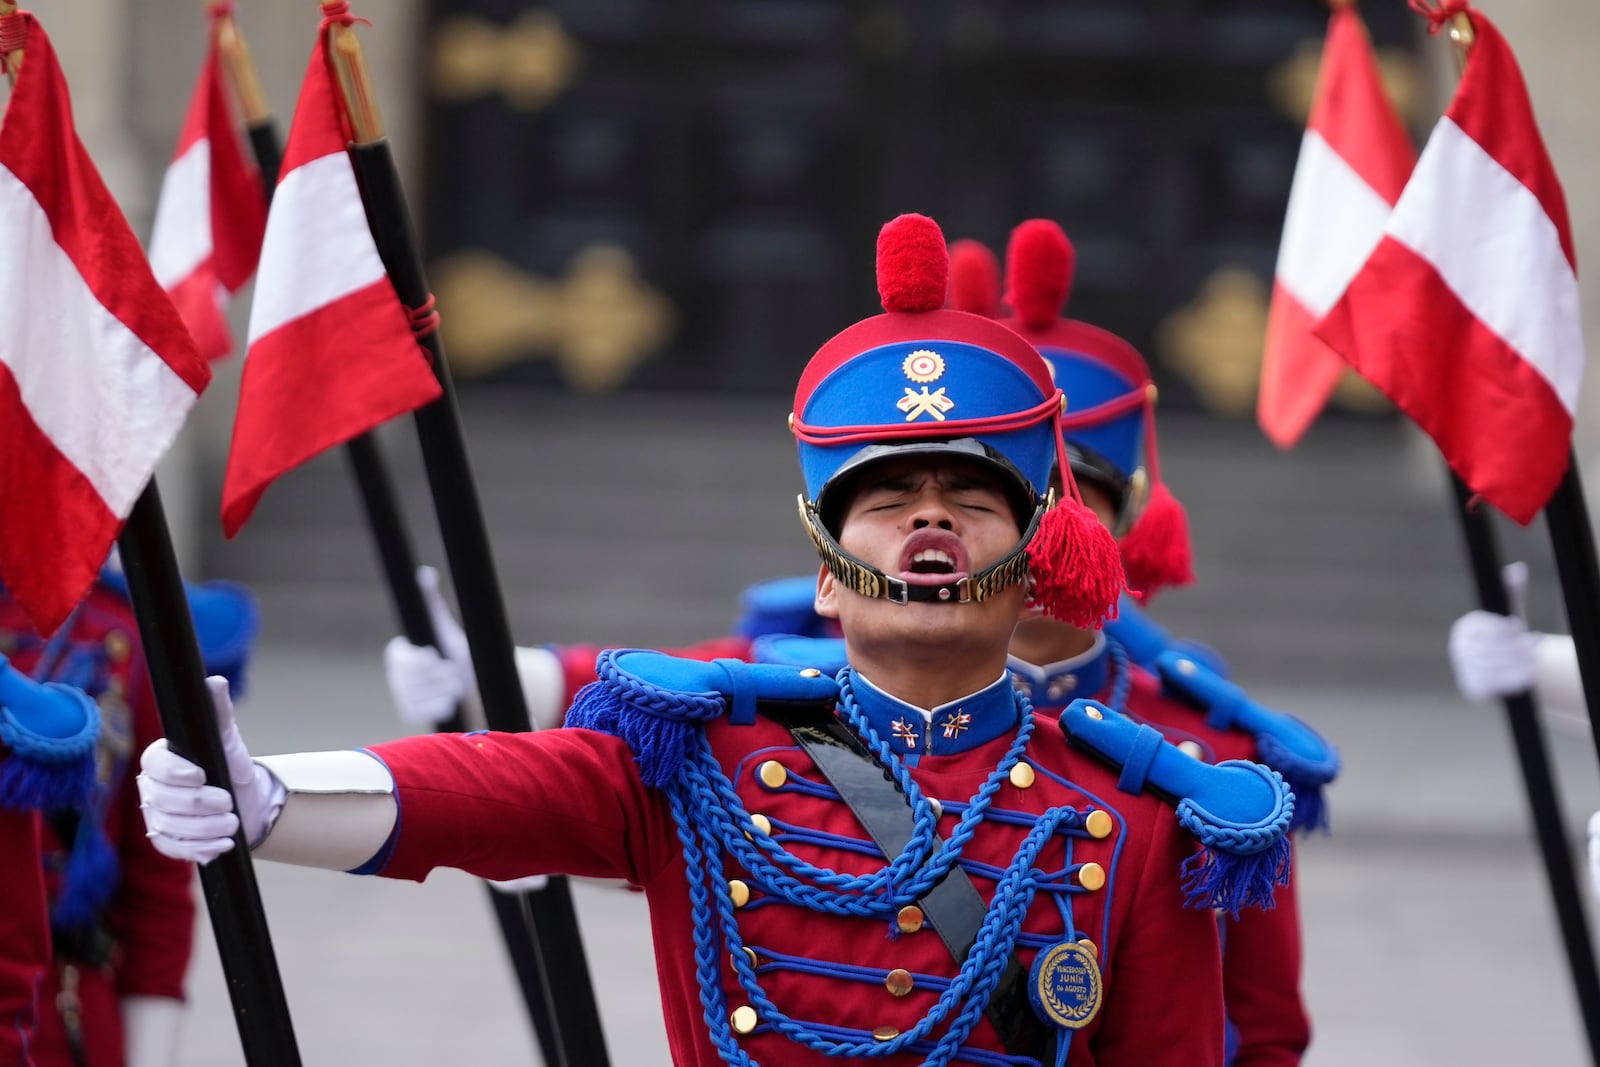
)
(177, 675)
(1572, 538)
(391, 536)
(558, 945)
(1532, 755)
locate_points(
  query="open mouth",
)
(933, 557)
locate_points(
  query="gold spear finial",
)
(241, 68)
(355, 84)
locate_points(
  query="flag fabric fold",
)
(331, 352)
(210, 215)
(97, 371)
(1354, 160)
(1467, 313)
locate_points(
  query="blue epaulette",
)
(655, 702)
(1145, 641)
(225, 623)
(49, 732)
(1239, 811)
(826, 654)
(780, 606)
(1283, 742)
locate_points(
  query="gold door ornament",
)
(528, 62)
(599, 322)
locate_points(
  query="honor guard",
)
(121, 915)
(1110, 439)
(902, 864)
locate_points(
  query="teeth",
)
(934, 555)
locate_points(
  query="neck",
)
(1041, 641)
(930, 681)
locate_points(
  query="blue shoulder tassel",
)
(1305, 776)
(50, 730)
(658, 724)
(90, 877)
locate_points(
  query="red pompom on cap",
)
(913, 264)
(1039, 266)
(1156, 553)
(974, 279)
(1077, 571)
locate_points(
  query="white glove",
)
(514, 886)
(150, 1030)
(189, 820)
(1495, 655)
(427, 683)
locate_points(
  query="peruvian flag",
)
(1354, 159)
(1466, 314)
(97, 371)
(210, 216)
(331, 351)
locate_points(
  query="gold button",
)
(1022, 776)
(1091, 876)
(938, 808)
(739, 891)
(1093, 713)
(898, 982)
(1099, 824)
(762, 823)
(1152, 393)
(909, 919)
(1186, 666)
(1083, 943)
(1189, 748)
(118, 647)
(772, 774)
(811, 672)
(791, 420)
(744, 1019)
(749, 954)
(885, 1033)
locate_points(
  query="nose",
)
(931, 510)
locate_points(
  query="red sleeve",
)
(24, 931)
(1150, 1020)
(153, 913)
(507, 805)
(1261, 975)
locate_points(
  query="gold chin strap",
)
(868, 581)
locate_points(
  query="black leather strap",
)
(953, 907)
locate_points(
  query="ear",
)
(827, 601)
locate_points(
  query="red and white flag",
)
(1467, 314)
(210, 216)
(331, 350)
(1354, 159)
(97, 371)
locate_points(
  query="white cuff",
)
(544, 686)
(339, 809)
(150, 1030)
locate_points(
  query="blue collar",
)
(955, 727)
(1055, 685)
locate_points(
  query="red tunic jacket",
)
(24, 934)
(571, 801)
(152, 911)
(1261, 949)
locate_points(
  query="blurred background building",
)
(641, 218)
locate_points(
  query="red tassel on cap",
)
(913, 264)
(1076, 569)
(1156, 553)
(1039, 266)
(974, 279)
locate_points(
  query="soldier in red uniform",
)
(1110, 441)
(47, 762)
(903, 865)
(121, 915)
